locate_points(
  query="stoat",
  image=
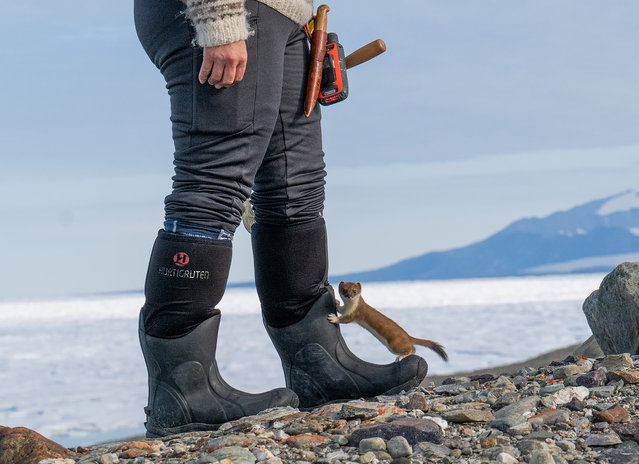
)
(355, 309)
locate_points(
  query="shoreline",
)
(540, 360)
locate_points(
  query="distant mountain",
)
(593, 237)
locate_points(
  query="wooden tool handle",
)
(318, 50)
(365, 53)
(321, 18)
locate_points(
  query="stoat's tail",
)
(436, 347)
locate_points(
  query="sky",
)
(478, 114)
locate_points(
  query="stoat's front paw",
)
(333, 319)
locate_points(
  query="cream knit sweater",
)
(219, 22)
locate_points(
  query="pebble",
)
(399, 447)
(541, 457)
(617, 362)
(367, 457)
(432, 450)
(603, 439)
(372, 444)
(631, 377)
(596, 378)
(110, 458)
(613, 414)
(468, 415)
(505, 458)
(532, 416)
(523, 407)
(56, 461)
(550, 416)
(565, 396)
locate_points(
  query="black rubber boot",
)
(178, 334)
(317, 364)
(320, 368)
(186, 391)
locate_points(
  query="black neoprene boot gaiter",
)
(185, 281)
(290, 273)
(291, 264)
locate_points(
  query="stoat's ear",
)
(359, 285)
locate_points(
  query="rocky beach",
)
(578, 406)
(577, 410)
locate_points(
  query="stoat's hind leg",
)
(405, 355)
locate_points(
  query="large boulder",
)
(613, 310)
(20, 445)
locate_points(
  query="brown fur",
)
(396, 339)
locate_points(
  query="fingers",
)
(224, 65)
(217, 73)
(223, 77)
(205, 69)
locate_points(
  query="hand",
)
(224, 65)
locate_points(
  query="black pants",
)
(252, 135)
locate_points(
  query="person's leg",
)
(291, 259)
(217, 151)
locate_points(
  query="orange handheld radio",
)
(334, 86)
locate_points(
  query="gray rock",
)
(529, 447)
(367, 457)
(372, 444)
(468, 415)
(110, 458)
(505, 458)
(566, 445)
(520, 429)
(552, 416)
(456, 379)
(398, 447)
(612, 311)
(352, 411)
(506, 399)
(626, 429)
(451, 389)
(562, 372)
(617, 362)
(506, 422)
(552, 388)
(401, 460)
(564, 396)
(541, 457)
(589, 349)
(519, 381)
(414, 430)
(417, 400)
(581, 425)
(495, 451)
(603, 392)
(602, 439)
(432, 450)
(339, 455)
(523, 406)
(626, 453)
(541, 435)
(596, 378)
(207, 459)
(236, 454)
(557, 459)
